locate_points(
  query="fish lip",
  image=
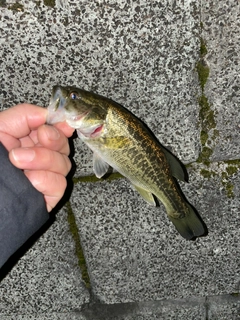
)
(55, 112)
(75, 120)
(79, 117)
(56, 107)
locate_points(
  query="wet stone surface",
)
(47, 277)
(134, 249)
(221, 33)
(143, 55)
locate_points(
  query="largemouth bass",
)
(119, 139)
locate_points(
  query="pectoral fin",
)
(147, 196)
(100, 167)
(177, 169)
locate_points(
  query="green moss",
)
(235, 294)
(203, 47)
(229, 188)
(235, 162)
(203, 73)
(2, 3)
(206, 115)
(78, 248)
(224, 175)
(231, 170)
(208, 123)
(49, 3)
(203, 137)
(204, 106)
(205, 155)
(215, 134)
(110, 177)
(202, 67)
(16, 7)
(208, 173)
(209, 133)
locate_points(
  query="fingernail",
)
(23, 154)
(53, 133)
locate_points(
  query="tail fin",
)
(190, 226)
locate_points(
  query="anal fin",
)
(147, 196)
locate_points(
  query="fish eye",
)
(73, 95)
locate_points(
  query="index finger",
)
(64, 127)
(52, 138)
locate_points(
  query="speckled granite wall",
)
(175, 64)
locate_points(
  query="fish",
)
(122, 141)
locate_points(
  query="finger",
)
(64, 127)
(53, 138)
(39, 158)
(51, 185)
(11, 142)
(29, 141)
(20, 120)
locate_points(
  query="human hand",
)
(40, 150)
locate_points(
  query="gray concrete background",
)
(143, 55)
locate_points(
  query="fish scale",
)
(119, 139)
(146, 155)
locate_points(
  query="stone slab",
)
(223, 307)
(221, 31)
(133, 252)
(47, 316)
(192, 308)
(46, 278)
(140, 54)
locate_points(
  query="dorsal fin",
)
(177, 169)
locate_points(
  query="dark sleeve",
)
(22, 208)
